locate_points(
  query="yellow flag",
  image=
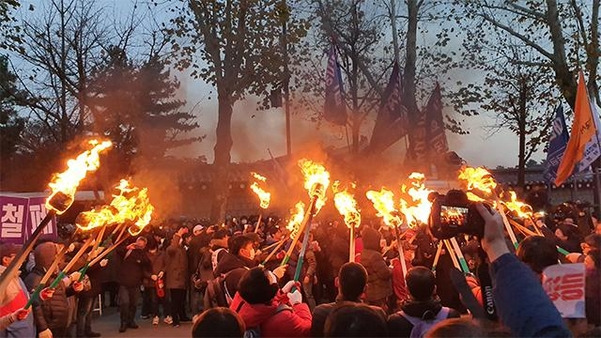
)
(583, 129)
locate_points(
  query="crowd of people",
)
(229, 281)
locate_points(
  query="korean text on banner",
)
(564, 283)
(37, 211)
(14, 219)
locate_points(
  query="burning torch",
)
(264, 196)
(63, 187)
(383, 202)
(293, 226)
(347, 206)
(317, 180)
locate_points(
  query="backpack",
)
(255, 332)
(216, 293)
(422, 326)
(214, 256)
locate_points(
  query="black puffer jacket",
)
(52, 313)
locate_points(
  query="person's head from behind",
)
(421, 283)
(455, 327)
(538, 253)
(242, 246)
(351, 281)
(218, 322)
(355, 320)
(592, 260)
(8, 252)
(591, 242)
(220, 238)
(258, 286)
(566, 231)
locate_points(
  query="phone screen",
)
(454, 216)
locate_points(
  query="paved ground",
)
(108, 325)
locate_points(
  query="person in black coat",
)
(86, 300)
(423, 308)
(351, 283)
(134, 267)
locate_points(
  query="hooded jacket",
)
(399, 326)
(52, 313)
(274, 319)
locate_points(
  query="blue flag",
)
(557, 145)
(335, 107)
(392, 122)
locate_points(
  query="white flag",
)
(592, 150)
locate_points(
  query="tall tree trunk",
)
(223, 146)
(563, 76)
(411, 57)
(522, 113)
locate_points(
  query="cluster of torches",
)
(408, 211)
(127, 214)
(130, 211)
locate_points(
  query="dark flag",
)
(557, 145)
(335, 108)
(435, 135)
(392, 122)
(418, 145)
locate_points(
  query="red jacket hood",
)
(255, 314)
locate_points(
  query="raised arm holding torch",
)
(63, 186)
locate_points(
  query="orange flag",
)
(583, 129)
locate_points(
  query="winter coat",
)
(134, 267)
(52, 313)
(321, 312)
(338, 248)
(95, 274)
(14, 297)
(379, 284)
(157, 264)
(229, 262)
(400, 326)
(521, 302)
(176, 271)
(292, 321)
(398, 281)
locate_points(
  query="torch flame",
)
(383, 202)
(478, 179)
(347, 206)
(264, 196)
(68, 181)
(416, 206)
(130, 205)
(296, 219)
(521, 209)
(317, 180)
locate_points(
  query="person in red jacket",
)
(269, 311)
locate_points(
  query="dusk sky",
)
(255, 131)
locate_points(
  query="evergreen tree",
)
(11, 125)
(136, 107)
